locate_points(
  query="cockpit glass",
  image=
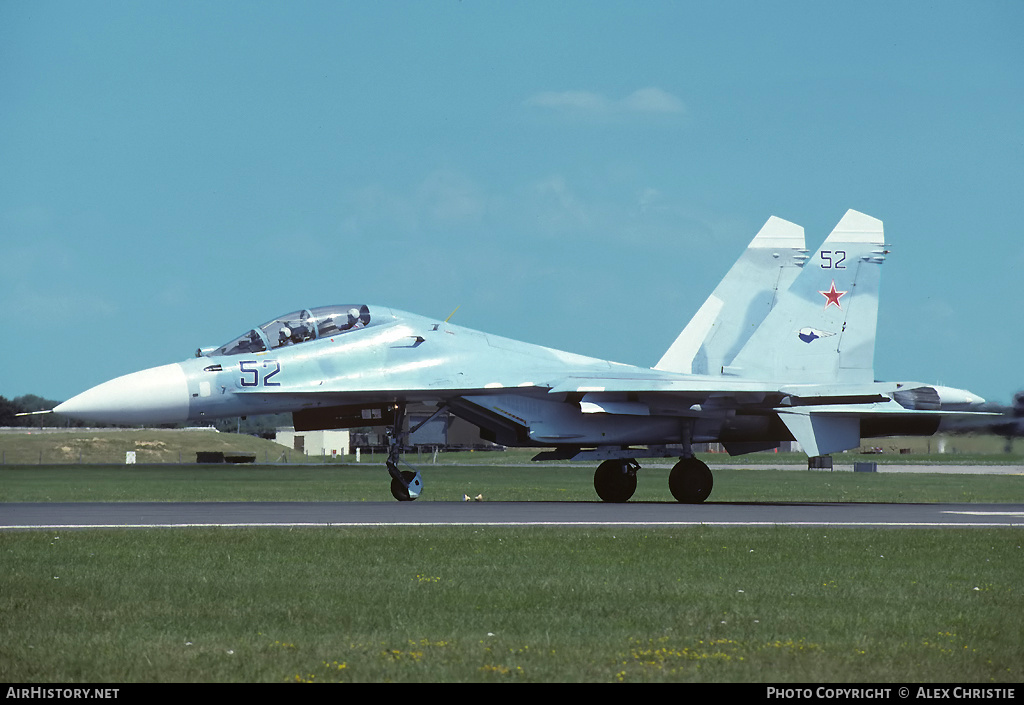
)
(332, 320)
(290, 329)
(298, 327)
(250, 342)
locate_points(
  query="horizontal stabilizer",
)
(821, 434)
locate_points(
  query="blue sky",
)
(573, 174)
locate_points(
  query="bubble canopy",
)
(297, 328)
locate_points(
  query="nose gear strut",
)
(406, 485)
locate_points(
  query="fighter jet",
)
(782, 350)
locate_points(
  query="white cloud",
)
(449, 198)
(442, 200)
(651, 100)
(648, 199)
(559, 209)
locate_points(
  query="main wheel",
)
(400, 491)
(690, 481)
(615, 481)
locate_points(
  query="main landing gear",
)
(690, 480)
(615, 480)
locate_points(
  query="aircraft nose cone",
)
(156, 395)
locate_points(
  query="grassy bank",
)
(89, 446)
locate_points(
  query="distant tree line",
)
(9, 408)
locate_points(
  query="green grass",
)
(462, 604)
(98, 483)
(485, 604)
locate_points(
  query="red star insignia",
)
(832, 296)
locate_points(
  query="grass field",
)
(467, 604)
(451, 604)
(236, 483)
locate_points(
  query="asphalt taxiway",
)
(83, 515)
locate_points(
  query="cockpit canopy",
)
(298, 327)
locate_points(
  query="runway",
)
(137, 515)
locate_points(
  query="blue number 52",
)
(251, 373)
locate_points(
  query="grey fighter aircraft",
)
(782, 350)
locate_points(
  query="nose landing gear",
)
(406, 485)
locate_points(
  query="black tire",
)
(399, 491)
(614, 482)
(690, 481)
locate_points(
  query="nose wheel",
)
(408, 487)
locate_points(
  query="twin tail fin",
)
(823, 327)
(740, 302)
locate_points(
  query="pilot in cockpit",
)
(301, 329)
(354, 321)
(300, 333)
(253, 343)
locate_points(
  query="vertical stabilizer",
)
(740, 301)
(823, 327)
